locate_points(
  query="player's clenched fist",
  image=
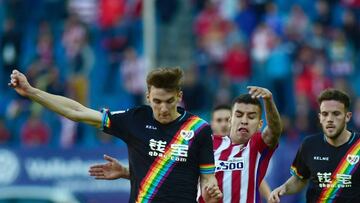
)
(259, 92)
(19, 82)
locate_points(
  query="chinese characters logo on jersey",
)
(178, 152)
(340, 181)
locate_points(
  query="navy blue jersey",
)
(165, 160)
(333, 172)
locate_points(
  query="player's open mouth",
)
(243, 130)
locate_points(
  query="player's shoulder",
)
(312, 140)
(189, 115)
(354, 138)
(218, 138)
(142, 111)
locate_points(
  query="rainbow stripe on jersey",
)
(344, 167)
(162, 166)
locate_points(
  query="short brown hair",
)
(334, 94)
(167, 78)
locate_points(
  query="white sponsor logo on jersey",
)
(230, 165)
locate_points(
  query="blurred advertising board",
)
(64, 168)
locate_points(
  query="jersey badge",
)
(187, 134)
(352, 159)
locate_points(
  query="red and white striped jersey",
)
(240, 168)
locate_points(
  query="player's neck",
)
(237, 141)
(176, 115)
(341, 139)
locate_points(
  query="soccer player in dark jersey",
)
(328, 162)
(169, 148)
(242, 157)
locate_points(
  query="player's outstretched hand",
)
(19, 82)
(212, 194)
(109, 171)
(276, 194)
(259, 92)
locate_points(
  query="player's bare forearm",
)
(291, 186)
(59, 104)
(294, 185)
(273, 120)
(66, 107)
(264, 189)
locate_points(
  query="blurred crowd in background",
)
(92, 51)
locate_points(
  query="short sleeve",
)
(259, 144)
(299, 167)
(206, 157)
(116, 123)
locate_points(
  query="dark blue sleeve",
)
(206, 162)
(117, 123)
(299, 167)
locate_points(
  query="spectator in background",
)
(133, 71)
(34, 132)
(4, 133)
(225, 90)
(246, 19)
(350, 26)
(323, 11)
(80, 58)
(341, 54)
(194, 92)
(111, 12)
(279, 75)
(45, 44)
(10, 43)
(317, 39)
(237, 65)
(297, 24)
(273, 18)
(166, 10)
(86, 10)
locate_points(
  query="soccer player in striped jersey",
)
(169, 148)
(327, 162)
(220, 117)
(242, 157)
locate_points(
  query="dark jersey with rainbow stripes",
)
(165, 160)
(333, 172)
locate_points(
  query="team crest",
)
(187, 134)
(352, 159)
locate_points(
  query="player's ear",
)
(348, 116)
(180, 95)
(261, 123)
(148, 96)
